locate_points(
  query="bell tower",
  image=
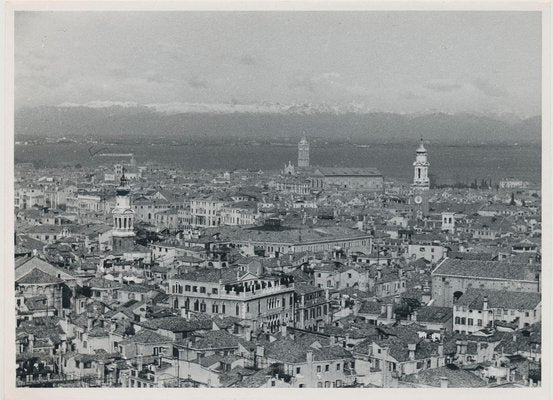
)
(421, 164)
(421, 183)
(123, 218)
(303, 153)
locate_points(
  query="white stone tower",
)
(421, 180)
(303, 153)
(123, 218)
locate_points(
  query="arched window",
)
(457, 295)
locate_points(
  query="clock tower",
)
(421, 183)
(122, 232)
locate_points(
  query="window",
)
(338, 367)
(187, 288)
(298, 370)
(318, 368)
(338, 383)
(195, 289)
(215, 291)
(470, 321)
(327, 367)
(202, 289)
(319, 384)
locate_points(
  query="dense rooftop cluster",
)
(147, 276)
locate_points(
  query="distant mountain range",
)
(269, 121)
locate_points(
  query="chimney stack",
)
(485, 304)
(283, 330)
(412, 347)
(309, 357)
(379, 272)
(444, 382)
(389, 311)
(414, 316)
(441, 349)
(139, 362)
(332, 340)
(260, 351)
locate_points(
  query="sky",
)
(392, 61)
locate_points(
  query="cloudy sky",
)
(388, 61)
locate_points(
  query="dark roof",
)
(488, 269)
(434, 314)
(146, 336)
(101, 283)
(177, 324)
(38, 277)
(457, 378)
(474, 299)
(295, 351)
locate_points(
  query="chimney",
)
(389, 311)
(283, 330)
(412, 347)
(89, 321)
(139, 362)
(414, 316)
(485, 304)
(31, 339)
(379, 272)
(383, 309)
(309, 357)
(332, 340)
(459, 346)
(441, 349)
(260, 351)
(444, 382)
(400, 272)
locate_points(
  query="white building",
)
(479, 308)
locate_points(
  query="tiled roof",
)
(434, 314)
(344, 171)
(177, 324)
(471, 256)
(215, 340)
(474, 299)
(38, 277)
(457, 378)
(101, 283)
(295, 351)
(305, 288)
(146, 336)
(487, 269)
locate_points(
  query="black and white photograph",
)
(265, 198)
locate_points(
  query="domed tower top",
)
(123, 189)
(421, 148)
